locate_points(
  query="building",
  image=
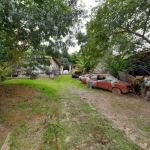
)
(53, 69)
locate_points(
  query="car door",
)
(93, 77)
(102, 82)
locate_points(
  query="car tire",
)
(116, 91)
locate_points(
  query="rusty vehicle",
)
(84, 80)
(94, 77)
(108, 82)
(82, 77)
(76, 71)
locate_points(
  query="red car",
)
(84, 79)
(108, 82)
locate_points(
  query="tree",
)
(65, 54)
(118, 29)
(74, 57)
(29, 24)
(127, 16)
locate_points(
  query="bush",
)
(3, 78)
(33, 76)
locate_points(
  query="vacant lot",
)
(62, 114)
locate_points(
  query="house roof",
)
(56, 61)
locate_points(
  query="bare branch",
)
(120, 32)
(140, 35)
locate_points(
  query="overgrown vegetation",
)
(36, 27)
(117, 30)
(52, 117)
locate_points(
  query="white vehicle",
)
(83, 76)
(65, 72)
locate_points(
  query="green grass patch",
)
(67, 79)
(144, 126)
(56, 118)
(45, 85)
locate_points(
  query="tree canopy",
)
(118, 29)
(33, 24)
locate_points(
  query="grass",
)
(144, 126)
(56, 118)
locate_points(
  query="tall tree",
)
(29, 24)
(65, 54)
(74, 57)
(118, 28)
(127, 16)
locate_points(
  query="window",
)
(100, 78)
(94, 77)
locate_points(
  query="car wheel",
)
(116, 91)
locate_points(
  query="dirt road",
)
(128, 112)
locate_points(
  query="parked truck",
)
(76, 71)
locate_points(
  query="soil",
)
(10, 97)
(128, 112)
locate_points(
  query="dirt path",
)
(127, 112)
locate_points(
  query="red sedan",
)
(94, 77)
(108, 82)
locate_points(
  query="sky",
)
(88, 4)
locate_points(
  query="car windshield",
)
(110, 77)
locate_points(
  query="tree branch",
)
(120, 32)
(24, 44)
(139, 35)
(8, 65)
(145, 25)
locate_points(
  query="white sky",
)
(89, 4)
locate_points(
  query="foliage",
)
(79, 58)
(117, 30)
(82, 38)
(74, 57)
(82, 61)
(65, 58)
(31, 24)
(112, 66)
(138, 62)
(64, 61)
(48, 51)
(65, 54)
(128, 18)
